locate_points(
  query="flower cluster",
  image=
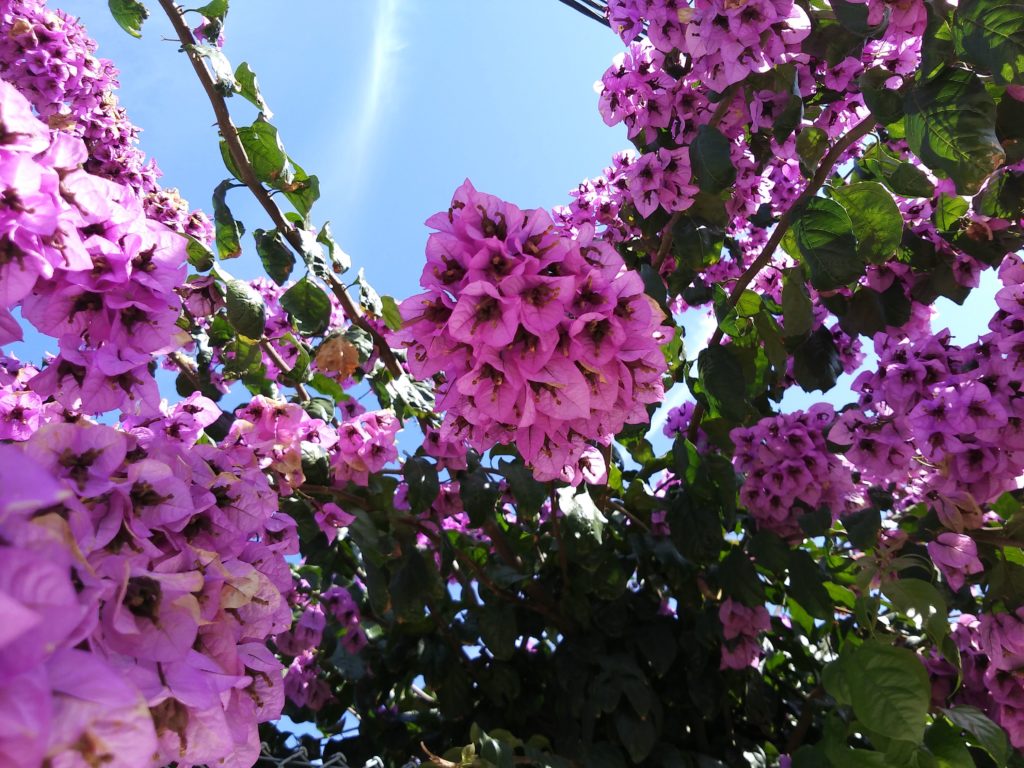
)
(991, 669)
(939, 421)
(789, 470)
(140, 576)
(544, 339)
(740, 628)
(49, 57)
(86, 266)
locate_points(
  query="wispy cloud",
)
(371, 107)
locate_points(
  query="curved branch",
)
(859, 131)
(248, 176)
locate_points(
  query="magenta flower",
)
(956, 555)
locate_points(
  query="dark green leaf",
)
(811, 145)
(266, 153)
(891, 691)
(302, 191)
(862, 527)
(249, 88)
(421, 477)
(723, 381)
(638, 735)
(479, 494)
(580, 509)
(710, 160)
(877, 221)
(885, 103)
(989, 736)
(498, 630)
(797, 310)
(228, 231)
(788, 119)
(816, 364)
(129, 14)
(947, 745)
(825, 238)
(854, 16)
(307, 303)
(739, 580)
(951, 126)
(199, 256)
(910, 181)
(1002, 197)
(807, 585)
(530, 494)
(990, 35)
(278, 259)
(937, 46)
(246, 311)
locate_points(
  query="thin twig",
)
(283, 367)
(817, 181)
(248, 176)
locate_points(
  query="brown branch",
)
(248, 176)
(796, 738)
(283, 367)
(821, 175)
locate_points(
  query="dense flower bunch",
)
(144, 573)
(789, 471)
(544, 339)
(741, 627)
(49, 57)
(938, 420)
(86, 266)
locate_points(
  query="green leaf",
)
(807, 585)
(129, 15)
(421, 477)
(854, 16)
(307, 303)
(249, 88)
(499, 630)
(989, 736)
(946, 744)
(369, 299)
(341, 262)
(824, 235)
(739, 580)
(990, 35)
(1002, 197)
(266, 153)
(862, 527)
(811, 145)
(479, 494)
(949, 209)
(638, 735)
(950, 124)
(816, 364)
(199, 256)
(302, 191)
(583, 512)
(891, 691)
(392, 317)
(278, 259)
(223, 75)
(885, 103)
(217, 9)
(228, 232)
(710, 160)
(908, 180)
(797, 310)
(529, 493)
(877, 221)
(246, 311)
(723, 381)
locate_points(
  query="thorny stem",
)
(817, 181)
(248, 176)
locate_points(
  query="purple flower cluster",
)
(49, 57)
(741, 626)
(789, 470)
(85, 265)
(140, 576)
(544, 340)
(938, 421)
